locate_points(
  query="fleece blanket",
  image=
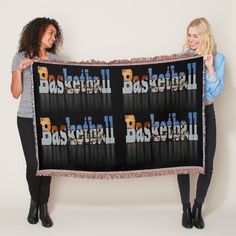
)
(119, 119)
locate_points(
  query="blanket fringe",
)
(120, 62)
(122, 174)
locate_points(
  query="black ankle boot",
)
(197, 216)
(44, 215)
(33, 212)
(187, 216)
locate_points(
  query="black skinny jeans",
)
(203, 179)
(39, 186)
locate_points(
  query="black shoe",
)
(44, 215)
(197, 217)
(33, 212)
(187, 218)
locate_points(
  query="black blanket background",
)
(83, 106)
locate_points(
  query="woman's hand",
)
(25, 63)
(208, 60)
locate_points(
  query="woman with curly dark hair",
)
(40, 39)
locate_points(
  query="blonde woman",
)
(200, 41)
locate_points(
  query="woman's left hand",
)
(208, 60)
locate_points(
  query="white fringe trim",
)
(125, 62)
(122, 174)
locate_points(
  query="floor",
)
(115, 221)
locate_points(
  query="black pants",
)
(203, 179)
(39, 186)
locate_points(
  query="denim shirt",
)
(214, 84)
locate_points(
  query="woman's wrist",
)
(18, 69)
(211, 70)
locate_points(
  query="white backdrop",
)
(107, 30)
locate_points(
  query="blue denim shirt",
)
(214, 84)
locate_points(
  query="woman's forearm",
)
(16, 84)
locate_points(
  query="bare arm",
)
(16, 83)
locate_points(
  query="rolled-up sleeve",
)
(215, 83)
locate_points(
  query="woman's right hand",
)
(25, 63)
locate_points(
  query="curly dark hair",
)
(32, 33)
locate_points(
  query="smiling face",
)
(49, 37)
(193, 38)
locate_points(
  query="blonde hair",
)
(204, 31)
